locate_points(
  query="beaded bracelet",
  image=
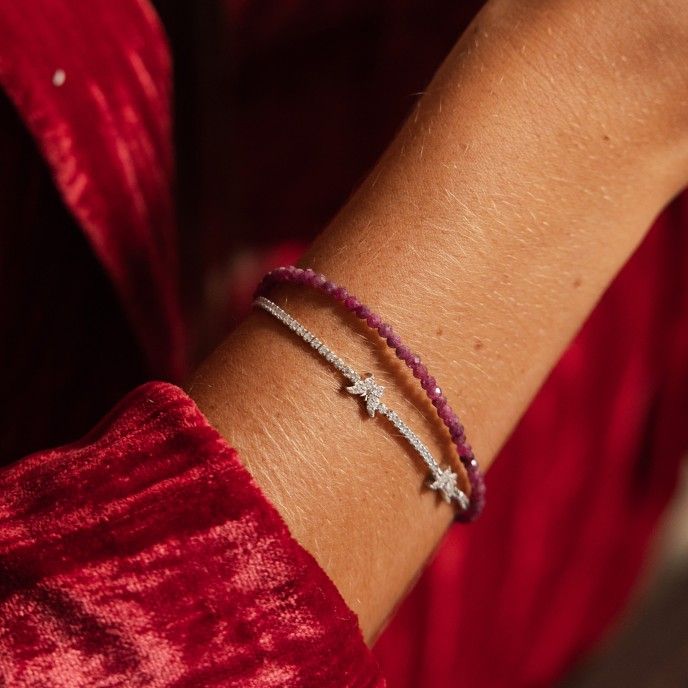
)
(310, 278)
(443, 481)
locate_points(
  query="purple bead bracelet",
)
(309, 278)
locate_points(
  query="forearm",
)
(485, 236)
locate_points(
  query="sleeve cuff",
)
(145, 555)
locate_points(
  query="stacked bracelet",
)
(310, 278)
(442, 480)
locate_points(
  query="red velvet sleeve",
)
(144, 555)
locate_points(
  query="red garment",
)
(131, 555)
(144, 555)
(106, 135)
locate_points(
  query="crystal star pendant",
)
(370, 391)
(445, 482)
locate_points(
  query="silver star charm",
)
(445, 482)
(370, 391)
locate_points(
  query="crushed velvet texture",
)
(105, 134)
(88, 288)
(143, 555)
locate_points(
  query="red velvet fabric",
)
(143, 554)
(106, 135)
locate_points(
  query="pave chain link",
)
(441, 480)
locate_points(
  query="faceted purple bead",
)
(363, 312)
(445, 413)
(435, 393)
(464, 450)
(385, 330)
(439, 402)
(428, 383)
(404, 353)
(419, 370)
(351, 303)
(373, 320)
(456, 431)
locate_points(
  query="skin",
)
(527, 174)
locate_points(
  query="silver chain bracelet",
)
(441, 480)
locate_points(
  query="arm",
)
(485, 235)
